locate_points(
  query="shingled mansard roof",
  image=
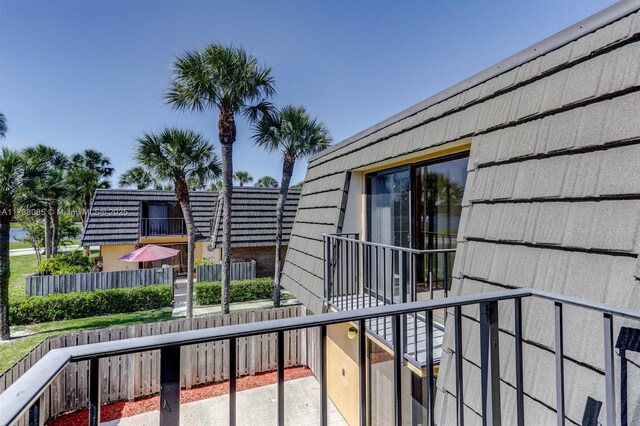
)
(552, 201)
(114, 217)
(253, 218)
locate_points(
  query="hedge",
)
(208, 293)
(55, 307)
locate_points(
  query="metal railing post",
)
(402, 269)
(362, 372)
(232, 381)
(430, 266)
(280, 355)
(559, 350)
(323, 376)
(429, 366)
(34, 413)
(490, 363)
(170, 386)
(609, 370)
(457, 313)
(327, 268)
(397, 370)
(95, 389)
(519, 363)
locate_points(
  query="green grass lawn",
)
(12, 351)
(21, 266)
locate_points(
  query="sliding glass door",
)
(417, 206)
(438, 188)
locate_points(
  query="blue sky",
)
(91, 73)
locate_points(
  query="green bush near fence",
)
(56, 307)
(74, 262)
(239, 291)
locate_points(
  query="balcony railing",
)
(361, 273)
(23, 395)
(154, 227)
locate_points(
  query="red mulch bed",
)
(122, 409)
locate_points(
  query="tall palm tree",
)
(89, 170)
(293, 132)
(136, 176)
(15, 173)
(3, 125)
(267, 182)
(177, 156)
(242, 177)
(50, 187)
(228, 80)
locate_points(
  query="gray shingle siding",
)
(253, 217)
(552, 201)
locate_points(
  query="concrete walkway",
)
(253, 407)
(26, 251)
(180, 303)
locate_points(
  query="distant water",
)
(16, 234)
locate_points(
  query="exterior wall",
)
(111, 254)
(551, 202)
(264, 257)
(342, 372)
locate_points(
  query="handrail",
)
(388, 246)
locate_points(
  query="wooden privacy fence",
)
(42, 285)
(131, 376)
(239, 271)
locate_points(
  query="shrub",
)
(55, 307)
(74, 262)
(239, 291)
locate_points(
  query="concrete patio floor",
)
(255, 406)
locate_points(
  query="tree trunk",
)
(47, 233)
(86, 204)
(55, 225)
(227, 188)
(5, 273)
(227, 136)
(182, 193)
(287, 171)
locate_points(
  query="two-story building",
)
(121, 220)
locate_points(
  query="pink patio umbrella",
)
(149, 254)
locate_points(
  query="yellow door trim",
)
(455, 147)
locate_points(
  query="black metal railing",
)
(361, 273)
(152, 227)
(24, 394)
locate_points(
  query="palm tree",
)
(15, 174)
(228, 80)
(293, 132)
(177, 156)
(50, 187)
(242, 177)
(3, 125)
(267, 182)
(136, 176)
(88, 172)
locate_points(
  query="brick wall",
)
(264, 257)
